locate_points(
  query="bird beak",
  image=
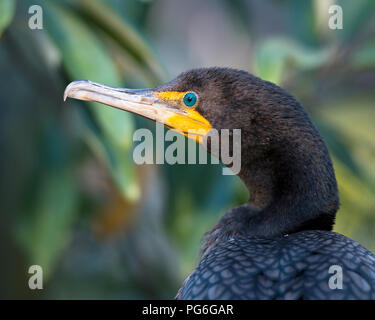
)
(145, 102)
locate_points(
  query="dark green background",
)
(73, 201)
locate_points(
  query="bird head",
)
(284, 160)
(200, 100)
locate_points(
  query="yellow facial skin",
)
(171, 97)
(192, 124)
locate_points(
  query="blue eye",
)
(190, 99)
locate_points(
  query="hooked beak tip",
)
(73, 86)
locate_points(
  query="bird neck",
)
(292, 188)
(284, 178)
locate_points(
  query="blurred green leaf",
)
(357, 202)
(347, 125)
(84, 57)
(126, 36)
(274, 54)
(119, 162)
(353, 119)
(353, 116)
(7, 9)
(44, 232)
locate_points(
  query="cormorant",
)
(279, 245)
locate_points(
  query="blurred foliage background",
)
(73, 201)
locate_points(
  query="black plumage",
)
(279, 244)
(294, 266)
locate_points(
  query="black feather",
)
(293, 191)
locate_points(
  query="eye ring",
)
(190, 99)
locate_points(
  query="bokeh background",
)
(71, 198)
